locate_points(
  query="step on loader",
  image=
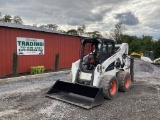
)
(102, 70)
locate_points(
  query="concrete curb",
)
(14, 79)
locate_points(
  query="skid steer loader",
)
(100, 72)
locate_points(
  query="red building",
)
(67, 46)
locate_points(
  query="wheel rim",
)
(113, 87)
(127, 82)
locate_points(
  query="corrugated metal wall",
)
(67, 46)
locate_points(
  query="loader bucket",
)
(76, 94)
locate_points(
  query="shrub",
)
(15, 63)
(32, 70)
(56, 62)
(42, 69)
(37, 69)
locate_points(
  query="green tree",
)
(42, 26)
(156, 48)
(53, 27)
(117, 32)
(35, 25)
(0, 16)
(7, 18)
(62, 31)
(72, 32)
(17, 20)
(135, 43)
(14, 63)
(94, 34)
(56, 62)
(146, 43)
(81, 29)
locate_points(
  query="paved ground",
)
(25, 100)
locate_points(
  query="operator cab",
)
(94, 52)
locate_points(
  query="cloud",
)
(127, 18)
(102, 15)
(85, 18)
(72, 12)
(155, 26)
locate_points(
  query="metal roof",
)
(27, 27)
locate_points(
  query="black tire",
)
(124, 80)
(109, 84)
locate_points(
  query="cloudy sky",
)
(140, 17)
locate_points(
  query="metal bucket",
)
(76, 94)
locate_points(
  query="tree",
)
(147, 43)
(0, 16)
(156, 48)
(53, 27)
(81, 29)
(62, 31)
(35, 25)
(7, 18)
(94, 34)
(117, 32)
(17, 20)
(72, 32)
(42, 26)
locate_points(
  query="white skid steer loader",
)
(101, 71)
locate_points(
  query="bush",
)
(42, 69)
(37, 69)
(56, 62)
(32, 70)
(14, 63)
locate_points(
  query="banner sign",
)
(30, 46)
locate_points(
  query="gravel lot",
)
(25, 99)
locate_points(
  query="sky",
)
(140, 17)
